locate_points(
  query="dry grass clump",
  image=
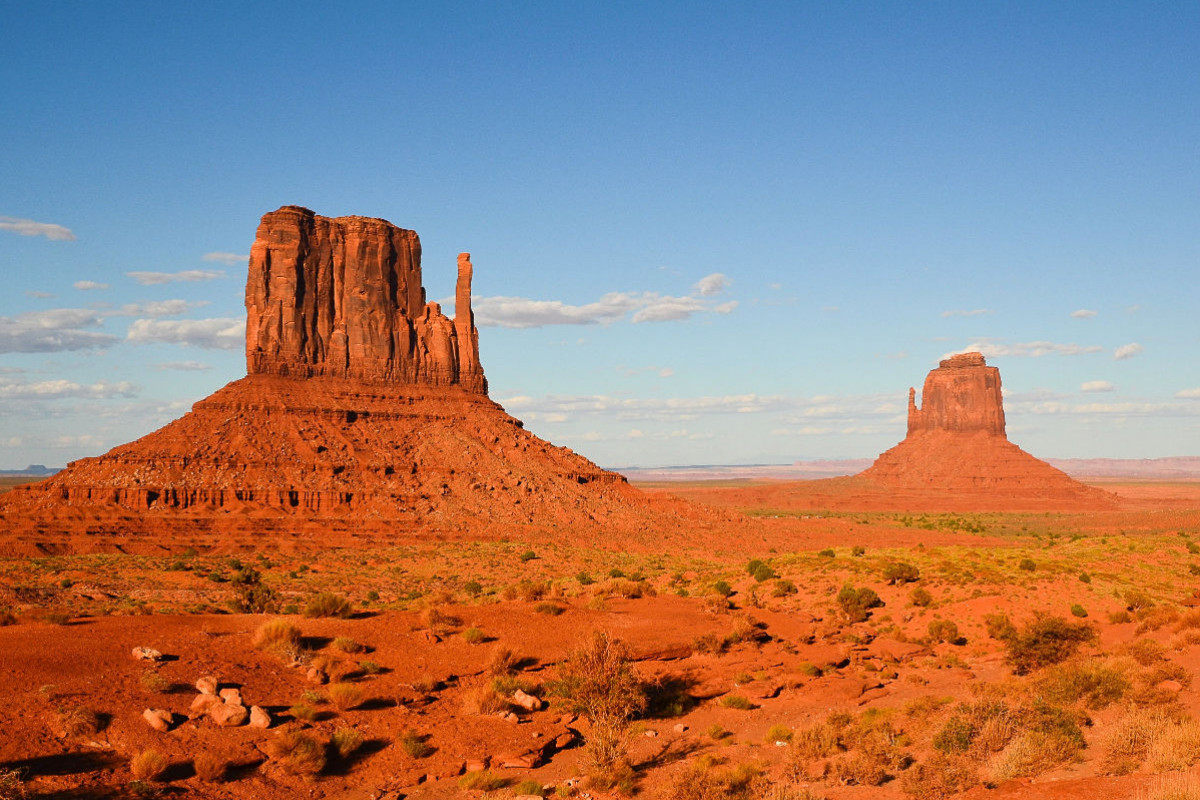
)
(865, 751)
(280, 638)
(148, 765)
(1092, 683)
(210, 767)
(415, 744)
(940, 777)
(1177, 749)
(344, 696)
(11, 786)
(1175, 787)
(438, 621)
(335, 667)
(502, 661)
(598, 680)
(328, 604)
(79, 721)
(704, 781)
(473, 635)
(7, 617)
(1043, 641)
(345, 644)
(484, 780)
(1129, 739)
(297, 752)
(484, 699)
(345, 742)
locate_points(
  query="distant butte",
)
(364, 412)
(957, 450)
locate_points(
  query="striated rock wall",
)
(962, 395)
(342, 297)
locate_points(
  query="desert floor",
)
(1011, 654)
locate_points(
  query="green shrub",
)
(920, 597)
(584, 578)
(763, 573)
(737, 701)
(1078, 610)
(483, 780)
(1137, 600)
(345, 741)
(549, 609)
(473, 588)
(1085, 578)
(900, 572)
(943, 630)
(528, 555)
(999, 626)
(858, 550)
(779, 733)
(328, 604)
(827, 553)
(782, 588)
(598, 680)
(346, 645)
(529, 787)
(416, 745)
(473, 635)
(856, 603)
(1045, 641)
(722, 588)
(1027, 564)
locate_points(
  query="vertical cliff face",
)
(343, 297)
(962, 395)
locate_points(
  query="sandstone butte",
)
(364, 414)
(957, 447)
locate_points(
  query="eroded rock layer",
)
(343, 297)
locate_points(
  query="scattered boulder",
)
(316, 675)
(527, 701)
(158, 718)
(147, 654)
(476, 764)
(231, 696)
(203, 702)
(207, 685)
(228, 716)
(259, 718)
(526, 760)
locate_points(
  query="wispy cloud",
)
(40, 295)
(1097, 386)
(215, 334)
(27, 227)
(521, 312)
(1127, 351)
(1027, 349)
(1084, 313)
(53, 330)
(226, 258)
(1189, 394)
(183, 366)
(58, 389)
(88, 286)
(183, 276)
(975, 312)
(156, 308)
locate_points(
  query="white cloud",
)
(27, 227)
(521, 312)
(1097, 386)
(57, 389)
(40, 295)
(86, 286)
(1127, 351)
(226, 258)
(184, 366)
(85, 440)
(975, 312)
(1189, 394)
(157, 308)
(183, 276)
(711, 284)
(220, 333)
(1027, 349)
(53, 330)
(1084, 313)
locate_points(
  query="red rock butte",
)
(364, 412)
(957, 452)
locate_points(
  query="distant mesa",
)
(365, 410)
(957, 449)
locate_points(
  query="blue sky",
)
(702, 233)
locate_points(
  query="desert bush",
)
(1078, 611)
(345, 644)
(1175, 787)
(303, 711)
(1129, 738)
(328, 604)
(210, 767)
(11, 785)
(779, 733)
(856, 603)
(763, 572)
(1151, 619)
(1177, 749)
(1045, 641)
(148, 765)
(1119, 617)
(1033, 753)
(279, 637)
(702, 780)
(783, 588)
(1027, 564)
(528, 555)
(345, 742)
(502, 661)
(827, 553)
(484, 699)
(737, 701)
(1136, 600)
(920, 597)
(344, 696)
(584, 577)
(598, 680)
(722, 589)
(940, 777)
(154, 681)
(251, 595)
(7, 617)
(943, 630)
(483, 780)
(1144, 651)
(529, 788)
(473, 635)
(438, 621)
(999, 626)
(297, 752)
(900, 572)
(527, 590)
(549, 608)
(1094, 684)
(79, 721)
(416, 745)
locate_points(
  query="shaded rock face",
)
(342, 297)
(961, 395)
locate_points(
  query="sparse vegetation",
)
(297, 752)
(856, 603)
(413, 743)
(344, 696)
(598, 680)
(328, 604)
(210, 767)
(148, 765)
(345, 742)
